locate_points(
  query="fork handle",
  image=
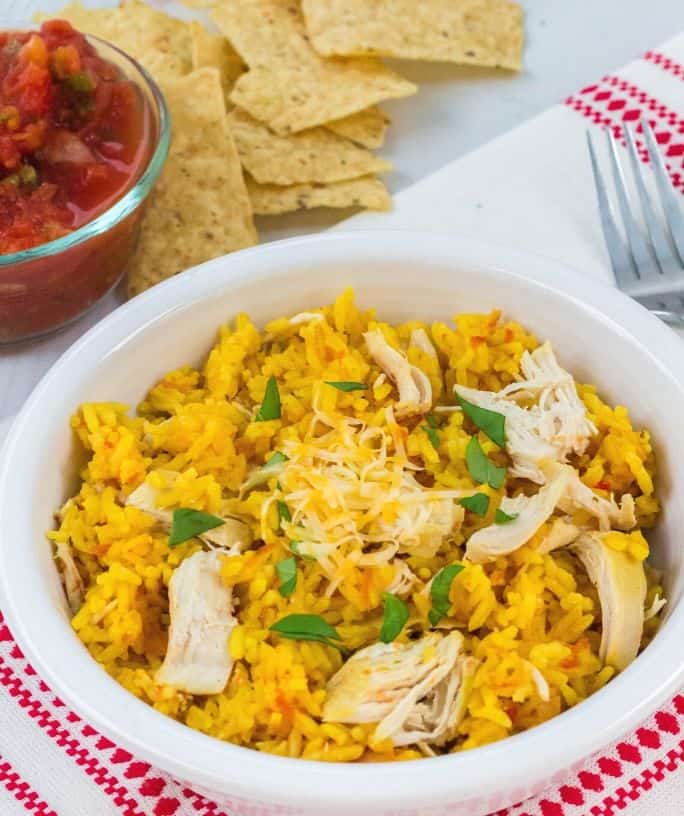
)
(671, 318)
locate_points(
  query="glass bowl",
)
(48, 286)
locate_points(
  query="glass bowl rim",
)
(130, 200)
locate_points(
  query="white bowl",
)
(603, 338)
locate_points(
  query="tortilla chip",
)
(214, 51)
(160, 43)
(474, 32)
(270, 199)
(366, 128)
(289, 85)
(200, 208)
(312, 155)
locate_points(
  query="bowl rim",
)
(231, 769)
(132, 198)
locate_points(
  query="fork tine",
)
(640, 251)
(661, 246)
(673, 213)
(623, 268)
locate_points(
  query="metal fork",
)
(649, 268)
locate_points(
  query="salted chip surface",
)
(270, 199)
(200, 208)
(214, 51)
(312, 155)
(474, 32)
(289, 85)
(160, 43)
(366, 128)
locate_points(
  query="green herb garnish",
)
(478, 503)
(284, 514)
(307, 627)
(264, 473)
(432, 421)
(277, 459)
(344, 385)
(439, 592)
(396, 614)
(481, 468)
(294, 546)
(188, 523)
(432, 435)
(491, 423)
(270, 407)
(287, 572)
(500, 517)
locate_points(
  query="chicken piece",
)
(409, 689)
(404, 579)
(523, 442)
(531, 511)
(71, 577)
(234, 535)
(420, 340)
(563, 417)
(610, 515)
(621, 584)
(197, 658)
(415, 391)
(655, 608)
(552, 429)
(561, 534)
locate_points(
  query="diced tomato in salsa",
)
(73, 134)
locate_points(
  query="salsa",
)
(73, 134)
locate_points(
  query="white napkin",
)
(531, 188)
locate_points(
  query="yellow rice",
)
(520, 609)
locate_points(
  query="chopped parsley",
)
(287, 572)
(439, 592)
(344, 385)
(478, 503)
(188, 523)
(307, 627)
(396, 613)
(491, 423)
(500, 517)
(481, 468)
(270, 406)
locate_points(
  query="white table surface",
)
(570, 43)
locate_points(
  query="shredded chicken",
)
(563, 490)
(234, 535)
(655, 608)
(621, 584)
(610, 515)
(71, 577)
(197, 658)
(523, 442)
(404, 579)
(420, 340)
(551, 429)
(411, 689)
(563, 417)
(530, 511)
(415, 391)
(561, 534)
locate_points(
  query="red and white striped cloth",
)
(528, 188)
